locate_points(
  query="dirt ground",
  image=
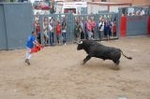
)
(56, 73)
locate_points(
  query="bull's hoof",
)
(117, 68)
(82, 63)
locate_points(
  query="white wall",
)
(92, 8)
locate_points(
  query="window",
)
(67, 10)
(103, 0)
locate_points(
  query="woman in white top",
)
(101, 29)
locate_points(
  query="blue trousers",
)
(51, 37)
(64, 35)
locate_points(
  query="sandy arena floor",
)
(56, 73)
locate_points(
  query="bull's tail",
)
(125, 55)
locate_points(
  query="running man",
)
(31, 42)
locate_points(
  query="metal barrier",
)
(108, 20)
(149, 20)
(133, 21)
(53, 20)
(15, 25)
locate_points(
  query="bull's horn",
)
(80, 42)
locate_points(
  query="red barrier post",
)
(149, 25)
(123, 26)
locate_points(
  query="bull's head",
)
(80, 45)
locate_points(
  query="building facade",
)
(134, 2)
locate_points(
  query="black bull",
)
(95, 49)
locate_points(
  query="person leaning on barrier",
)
(89, 30)
(45, 30)
(106, 29)
(51, 31)
(101, 29)
(64, 31)
(82, 24)
(114, 29)
(77, 30)
(93, 25)
(38, 32)
(58, 31)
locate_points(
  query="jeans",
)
(101, 35)
(39, 37)
(64, 35)
(51, 37)
(90, 34)
(58, 38)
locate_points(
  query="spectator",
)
(93, 25)
(58, 31)
(45, 30)
(101, 29)
(85, 27)
(114, 29)
(89, 29)
(64, 31)
(107, 30)
(36, 21)
(77, 30)
(82, 24)
(38, 32)
(51, 32)
(142, 12)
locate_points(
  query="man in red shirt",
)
(58, 31)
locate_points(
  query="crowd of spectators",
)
(89, 28)
(134, 11)
(54, 30)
